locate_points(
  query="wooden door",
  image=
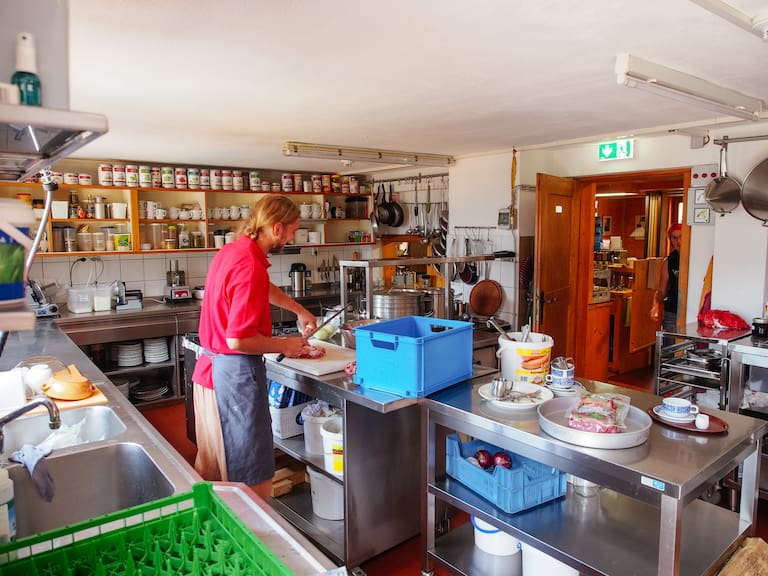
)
(555, 261)
(642, 329)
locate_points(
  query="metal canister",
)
(193, 178)
(237, 180)
(354, 186)
(275, 187)
(99, 208)
(145, 176)
(254, 181)
(297, 182)
(205, 178)
(226, 179)
(84, 179)
(166, 176)
(131, 175)
(317, 183)
(287, 180)
(70, 178)
(157, 178)
(326, 182)
(104, 174)
(266, 187)
(180, 177)
(345, 184)
(215, 179)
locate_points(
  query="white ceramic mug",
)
(305, 211)
(184, 214)
(160, 213)
(173, 212)
(679, 407)
(217, 212)
(317, 211)
(225, 213)
(315, 237)
(196, 214)
(245, 211)
(234, 212)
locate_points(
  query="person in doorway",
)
(665, 302)
(233, 425)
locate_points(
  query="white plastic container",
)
(492, 540)
(80, 300)
(7, 508)
(313, 440)
(332, 432)
(525, 361)
(536, 562)
(327, 496)
(12, 390)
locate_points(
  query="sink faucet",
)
(50, 405)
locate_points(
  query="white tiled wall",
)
(146, 272)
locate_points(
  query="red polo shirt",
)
(236, 302)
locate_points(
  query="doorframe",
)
(586, 189)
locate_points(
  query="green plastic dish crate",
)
(193, 533)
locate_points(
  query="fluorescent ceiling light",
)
(615, 194)
(757, 25)
(327, 151)
(638, 73)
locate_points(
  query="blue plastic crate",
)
(414, 355)
(527, 484)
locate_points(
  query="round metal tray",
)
(553, 419)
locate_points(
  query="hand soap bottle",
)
(25, 77)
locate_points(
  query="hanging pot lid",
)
(754, 192)
(723, 193)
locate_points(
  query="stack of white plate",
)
(156, 350)
(149, 391)
(130, 354)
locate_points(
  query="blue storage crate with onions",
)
(413, 356)
(526, 484)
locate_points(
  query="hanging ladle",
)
(491, 322)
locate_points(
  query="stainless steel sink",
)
(100, 423)
(89, 483)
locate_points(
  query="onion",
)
(484, 458)
(502, 459)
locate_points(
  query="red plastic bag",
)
(722, 320)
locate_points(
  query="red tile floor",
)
(405, 559)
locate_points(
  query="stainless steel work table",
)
(382, 452)
(646, 517)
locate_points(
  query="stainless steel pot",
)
(723, 193)
(396, 303)
(754, 192)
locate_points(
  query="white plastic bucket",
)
(332, 432)
(525, 361)
(492, 540)
(536, 562)
(313, 440)
(327, 496)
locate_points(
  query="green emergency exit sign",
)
(615, 150)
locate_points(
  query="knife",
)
(323, 324)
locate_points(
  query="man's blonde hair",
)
(268, 211)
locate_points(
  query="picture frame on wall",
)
(607, 224)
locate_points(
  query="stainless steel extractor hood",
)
(32, 138)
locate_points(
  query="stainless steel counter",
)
(647, 518)
(48, 339)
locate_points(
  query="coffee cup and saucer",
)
(561, 378)
(677, 410)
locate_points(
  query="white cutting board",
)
(335, 359)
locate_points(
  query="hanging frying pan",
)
(486, 297)
(385, 214)
(399, 216)
(723, 193)
(754, 192)
(375, 217)
(469, 274)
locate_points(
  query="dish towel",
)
(33, 459)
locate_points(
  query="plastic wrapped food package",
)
(602, 413)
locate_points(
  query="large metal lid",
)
(754, 192)
(32, 138)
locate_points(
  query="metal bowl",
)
(348, 330)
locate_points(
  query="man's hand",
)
(293, 346)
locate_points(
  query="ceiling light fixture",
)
(331, 152)
(757, 25)
(638, 73)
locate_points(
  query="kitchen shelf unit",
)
(646, 518)
(334, 230)
(676, 374)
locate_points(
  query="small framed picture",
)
(699, 197)
(701, 215)
(607, 224)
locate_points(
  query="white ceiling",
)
(226, 82)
